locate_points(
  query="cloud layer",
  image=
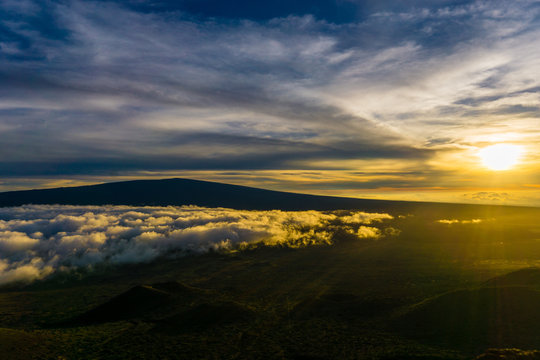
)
(39, 240)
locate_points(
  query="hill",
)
(477, 318)
(142, 301)
(523, 277)
(184, 192)
(212, 194)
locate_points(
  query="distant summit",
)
(180, 192)
(184, 192)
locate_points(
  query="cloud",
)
(489, 195)
(365, 218)
(23, 271)
(368, 232)
(38, 240)
(456, 221)
(12, 241)
(257, 85)
(392, 232)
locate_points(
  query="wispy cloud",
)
(104, 87)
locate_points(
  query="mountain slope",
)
(523, 277)
(182, 192)
(477, 318)
(209, 194)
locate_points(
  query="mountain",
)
(477, 318)
(182, 192)
(523, 277)
(141, 301)
(208, 194)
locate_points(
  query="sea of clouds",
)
(39, 240)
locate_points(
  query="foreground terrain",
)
(444, 282)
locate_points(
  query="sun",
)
(500, 156)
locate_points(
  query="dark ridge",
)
(308, 357)
(509, 354)
(211, 194)
(523, 277)
(139, 302)
(134, 303)
(476, 319)
(419, 357)
(174, 287)
(339, 297)
(205, 316)
(346, 306)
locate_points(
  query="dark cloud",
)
(334, 11)
(152, 152)
(524, 110)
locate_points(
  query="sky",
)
(374, 99)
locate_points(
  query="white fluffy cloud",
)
(365, 218)
(368, 232)
(12, 241)
(38, 240)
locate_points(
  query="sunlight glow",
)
(500, 156)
